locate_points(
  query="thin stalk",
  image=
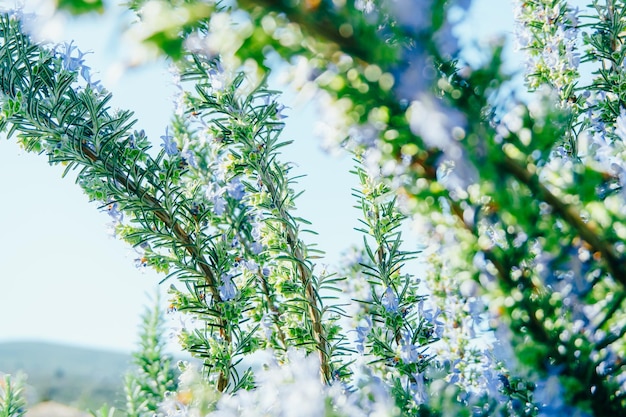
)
(305, 276)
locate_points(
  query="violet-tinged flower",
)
(389, 300)
(409, 352)
(414, 16)
(219, 205)
(189, 157)
(215, 195)
(236, 189)
(256, 247)
(280, 108)
(414, 74)
(463, 4)
(267, 324)
(141, 263)
(218, 78)
(494, 382)
(113, 210)
(169, 144)
(234, 243)
(181, 323)
(363, 135)
(228, 289)
(72, 63)
(137, 139)
(250, 265)
(620, 125)
(476, 310)
(278, 115)
(447, 42)
(257, 226)
(431, 318)
(361, 335)
(550, 399)
(420, 388)
(132, 143)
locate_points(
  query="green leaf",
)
(78, 7)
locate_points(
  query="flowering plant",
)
(519, 205)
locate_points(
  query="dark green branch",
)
(587, 231)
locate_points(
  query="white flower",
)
(292, 389)
(366, 6)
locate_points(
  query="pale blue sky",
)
(62, 279)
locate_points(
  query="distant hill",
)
(81, 377)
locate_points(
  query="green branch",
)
(76, 128)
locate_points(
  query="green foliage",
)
(12, 401)
(153, 375)
(525, 208)
(104, 411)
(81, 6)
(244, 124)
